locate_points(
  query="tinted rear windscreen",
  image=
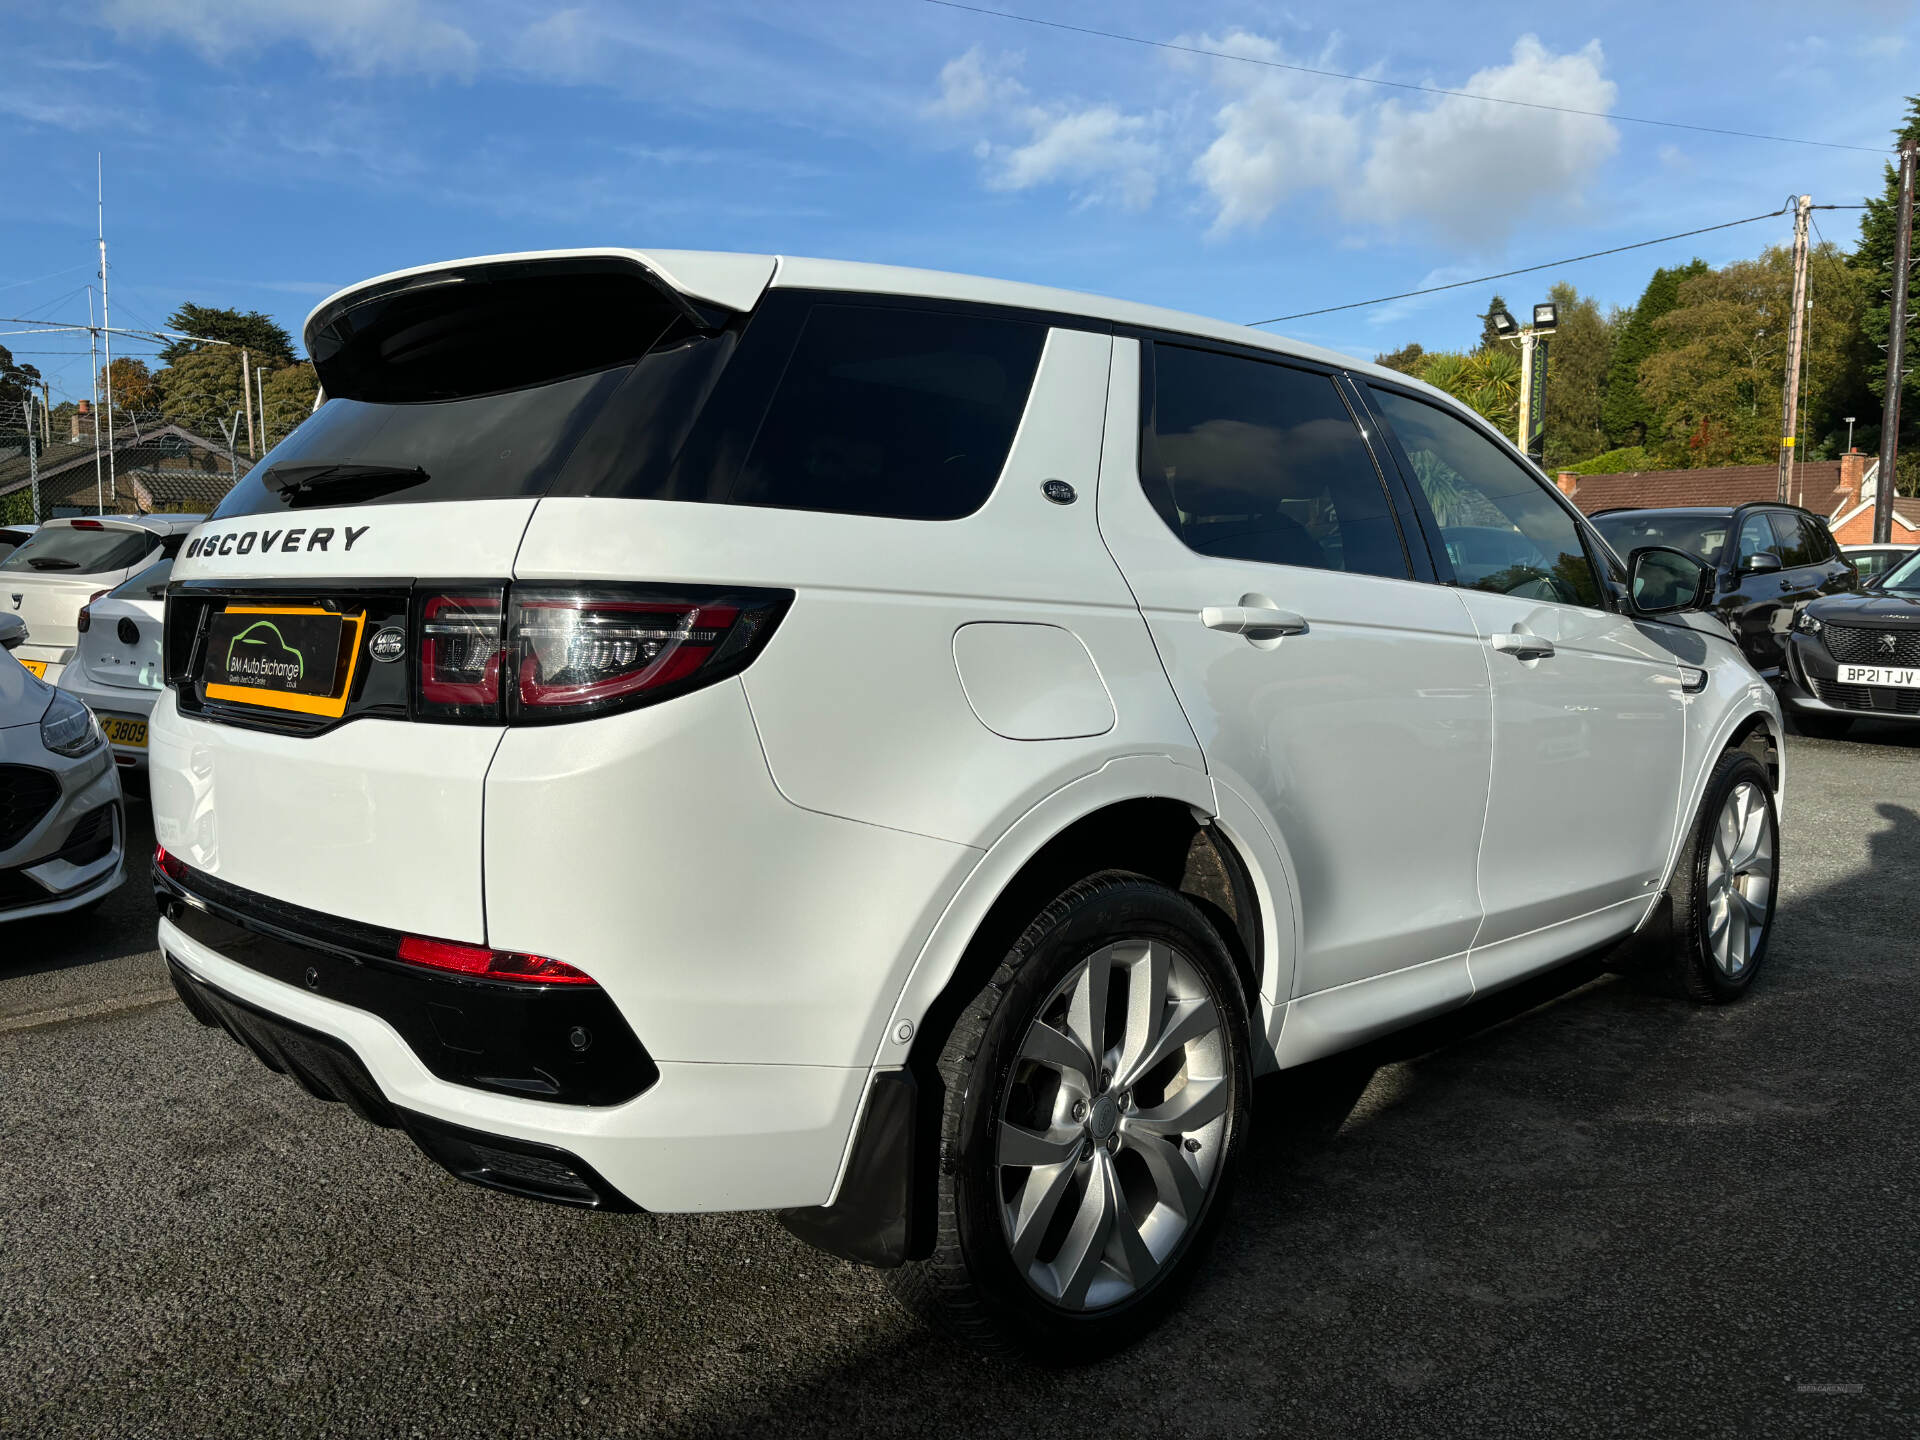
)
(63, 550)
(489, 447)
(1702, 535)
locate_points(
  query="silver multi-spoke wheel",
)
(1113, 1125)
(1740, 879)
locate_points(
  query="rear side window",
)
(62, 549)
(1248, 460)
(1801, 541)
(149, 584)
(892, 412)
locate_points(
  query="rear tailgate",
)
(101, 551)
(304, 753)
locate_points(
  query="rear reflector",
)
(479, 961)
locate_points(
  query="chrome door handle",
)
(1522, 646)
(1256, 622)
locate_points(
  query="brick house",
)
(158, 469)
(1842, 490)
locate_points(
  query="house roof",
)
(1816, 487)
(64, 464)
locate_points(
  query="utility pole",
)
(1896, 351)
(106, 323)
(260, 390)
(246, 402)
(1796, 337)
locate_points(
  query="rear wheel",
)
(1726, 883)
(1096, 1094)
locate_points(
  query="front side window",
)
(893, 412)
(1504, 532)
(1705, 536)
(1756, 538)
(1247, 460)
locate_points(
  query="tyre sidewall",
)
(1733, 768)
(1120, 908)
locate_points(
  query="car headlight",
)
(68, 727)
(1807, 625)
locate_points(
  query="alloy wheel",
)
(1114, 1124)
(1740, 879)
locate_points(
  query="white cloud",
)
(1102, 154)
(1283, 132)
(360, 36)
(561, 46)
(1472, 169)
(1465, 167)
(969, 84)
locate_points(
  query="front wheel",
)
(1096, 1096)
(1726, 883)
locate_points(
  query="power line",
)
(1523, 270)
(1392, 84)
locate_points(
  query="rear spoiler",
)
(501, 322)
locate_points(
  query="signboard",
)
(1537, 402)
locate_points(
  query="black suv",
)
(1769, 561)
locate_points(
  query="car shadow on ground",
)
(1509, 1186)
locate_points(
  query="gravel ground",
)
(1579, 1208)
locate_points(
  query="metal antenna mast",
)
(106, 321)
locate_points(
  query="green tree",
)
(16, 382)
(268, 343)
(201, 389)
(1714, 382)
(1489, 335)
(1579, 359)
(1488, 380)
(1873, 261)
(1624, 413)
(289, 395)
(1406, 359)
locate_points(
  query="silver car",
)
(62, 821)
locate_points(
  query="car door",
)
(1588, 733)
(1341, 700)
(1752, 588)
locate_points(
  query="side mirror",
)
(1764, 562)
(13, 630)
(1662, 580)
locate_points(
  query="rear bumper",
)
(702, 1137)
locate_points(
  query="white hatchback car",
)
(116, 667)
(67, 563)
(715, 732)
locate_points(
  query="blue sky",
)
(261, 155)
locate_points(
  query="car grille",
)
(91, 839)
(1856, 646)
(26, 794)
(1873, 699)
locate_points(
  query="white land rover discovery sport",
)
(716, 732)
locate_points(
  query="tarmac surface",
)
(1577, 1208)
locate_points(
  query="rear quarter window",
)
(63, 550)
(892, 412)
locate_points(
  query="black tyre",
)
(1822, 726)
(1726, 883)
(1097, 1093)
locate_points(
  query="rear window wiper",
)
(341, 482)
(52, 562)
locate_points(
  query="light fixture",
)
(1504, 324)
(1545, 318)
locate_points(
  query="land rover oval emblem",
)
(1058, 491)
(388, 643)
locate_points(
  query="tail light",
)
(86, 611)
(461, 654)
(482, 963)
(561, 652)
